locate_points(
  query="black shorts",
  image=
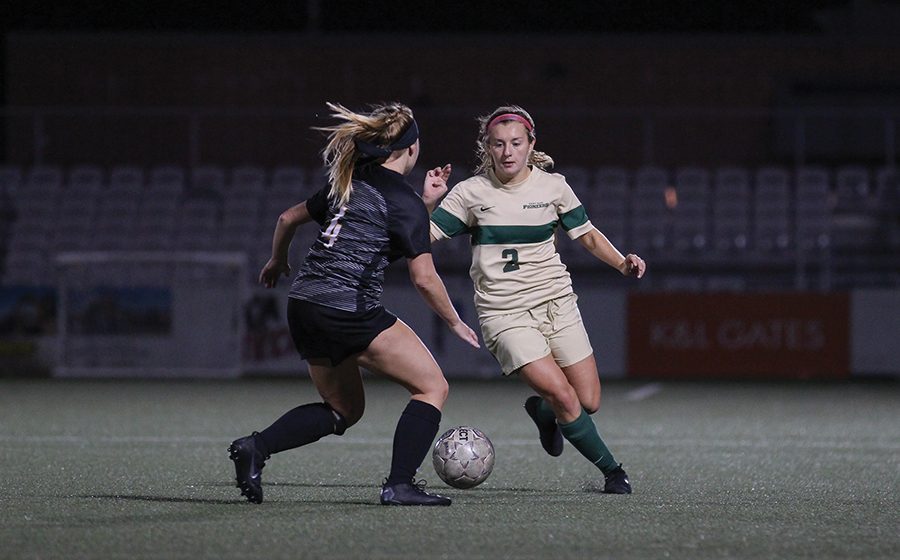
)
(325, 332)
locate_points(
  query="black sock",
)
(415, 431)
(300, 426)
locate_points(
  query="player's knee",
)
(590, 403)
(351, 420)
(345, 417)
(441, 389)
(435, 390)
(563, 398)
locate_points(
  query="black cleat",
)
(248, 466)
(550, 434)
(410, 494)
(617, 482)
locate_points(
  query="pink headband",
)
(510, 117)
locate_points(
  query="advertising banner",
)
(780, 335)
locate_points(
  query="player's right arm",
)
(451, 217)
(435, 186)
(287, 224)
(315, 208)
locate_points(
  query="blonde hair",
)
(482, 151)
(382, 125)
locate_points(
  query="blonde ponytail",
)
(382, 125)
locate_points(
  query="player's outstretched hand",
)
(435, 185)
(463, 331)
(270, 273)
(634, 266)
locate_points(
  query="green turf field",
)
(109, 470)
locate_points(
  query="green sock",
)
(583, 434)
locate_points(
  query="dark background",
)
(626, 84)
(461, 16)
(806, 89)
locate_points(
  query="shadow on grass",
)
(430, 488)
(504, 490)
(237, 501)
(436, 488)
(313, 485)
(160, 499)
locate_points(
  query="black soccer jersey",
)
(383, 220)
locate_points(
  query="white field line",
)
(650, 441)
(643, 392)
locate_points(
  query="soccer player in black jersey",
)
(369, 216)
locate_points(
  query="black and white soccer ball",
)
(463, 457)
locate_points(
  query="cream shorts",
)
(554, 327)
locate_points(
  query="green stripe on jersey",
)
(449, 224)
(573, 218)
(509, 235)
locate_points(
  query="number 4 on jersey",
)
(330, 234)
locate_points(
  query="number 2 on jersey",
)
(334, 228)
(513, 257)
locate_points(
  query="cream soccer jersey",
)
(515, 265)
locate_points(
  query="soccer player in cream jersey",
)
(530, 321)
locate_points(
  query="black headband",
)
(407, 139)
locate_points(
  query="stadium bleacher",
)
(692, 216)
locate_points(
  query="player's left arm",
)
(574, 220)
(601, 247)
(432, 289)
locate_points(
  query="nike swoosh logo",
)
(486, 208)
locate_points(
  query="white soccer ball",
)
(463, 457)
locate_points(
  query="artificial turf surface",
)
(138, 469)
